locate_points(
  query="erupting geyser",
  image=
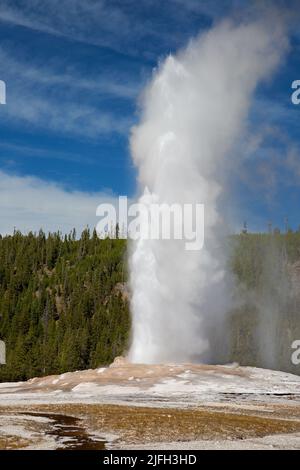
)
(193, 112)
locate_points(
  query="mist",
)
(193, 112)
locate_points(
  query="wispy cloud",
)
(28, 203)
(42, 96)
(98, 22)
(86, 121)
(123, 27)
(9, 149)
(106, 83)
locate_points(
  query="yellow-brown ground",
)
(142, 425)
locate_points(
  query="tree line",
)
(64, 305)
(60, 305)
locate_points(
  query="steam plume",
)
(193, 112)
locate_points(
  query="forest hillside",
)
(64, 302)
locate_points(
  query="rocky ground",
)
(182, 406)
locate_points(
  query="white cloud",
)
(28, 203)
(108, 84)
(7, 149)
(100, 23)
(62, 102)
(115, 25)
(66, 117)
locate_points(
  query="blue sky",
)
(74, 70)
